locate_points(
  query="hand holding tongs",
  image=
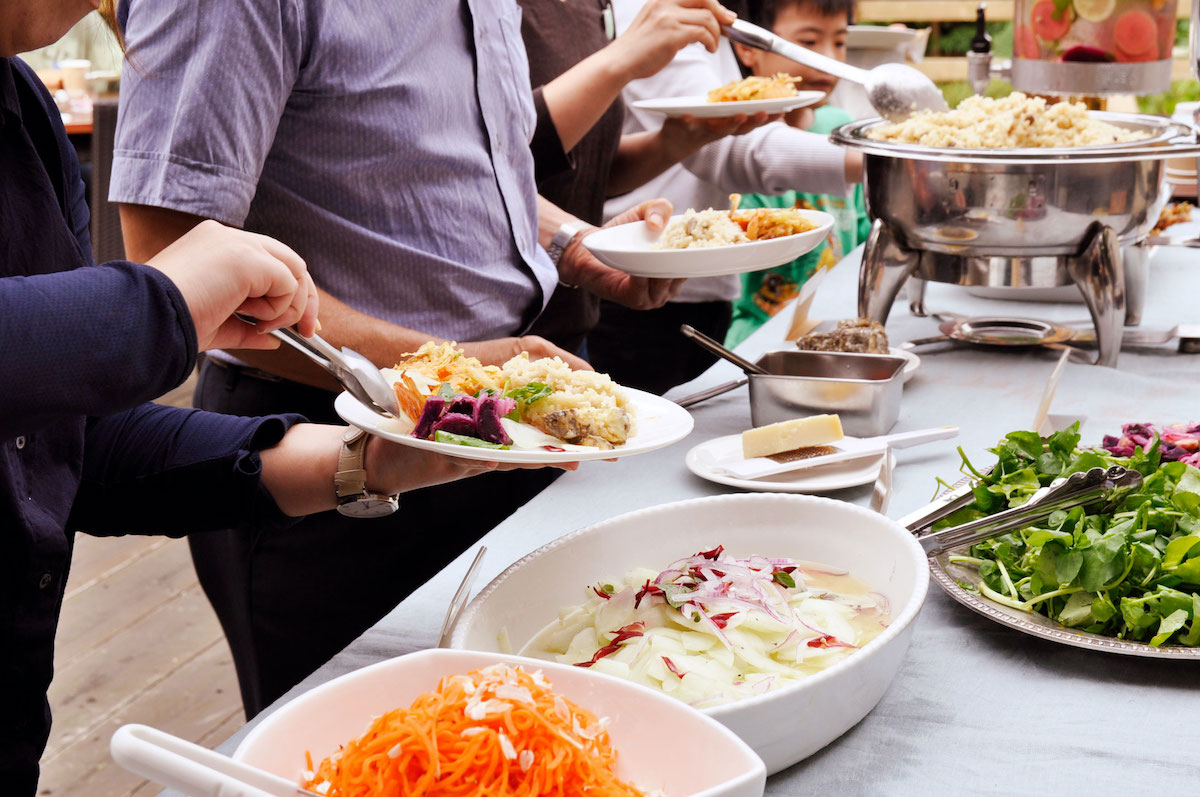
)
(353, 371)
(1096, 486)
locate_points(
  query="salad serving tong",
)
(1098, 486)
(352, 370)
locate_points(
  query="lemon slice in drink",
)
(1095, 10)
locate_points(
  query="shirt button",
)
(21, 442)
(45, 581)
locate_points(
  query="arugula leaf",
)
(525, 396)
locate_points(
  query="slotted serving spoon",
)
(353, 371)
(894, 90)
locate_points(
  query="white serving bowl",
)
(785, 725)
(340, 710)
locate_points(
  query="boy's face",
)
(800, 23)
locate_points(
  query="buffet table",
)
(976, 708)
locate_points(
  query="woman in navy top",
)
(83, 347)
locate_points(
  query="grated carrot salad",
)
(495, 731)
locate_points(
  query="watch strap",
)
(563, 237)
(350, 480)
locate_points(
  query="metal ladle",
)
(894, 90)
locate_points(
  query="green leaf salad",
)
(1133, 573)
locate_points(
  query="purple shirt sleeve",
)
(187, 139)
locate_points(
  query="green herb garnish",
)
(784, 579)
(525, 396)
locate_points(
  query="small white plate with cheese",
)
(706, 460)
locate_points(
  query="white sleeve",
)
(771, 160)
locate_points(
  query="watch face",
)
(368, 506)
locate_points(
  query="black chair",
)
(107, 243)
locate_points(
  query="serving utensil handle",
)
(1079, 489)
(192, 769)
(716, 348)
(752, 35)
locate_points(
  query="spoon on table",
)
(178, 764)
(353, 371)
(894, 90)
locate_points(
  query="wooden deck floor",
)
(137, 642)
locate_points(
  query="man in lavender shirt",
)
(388, 144)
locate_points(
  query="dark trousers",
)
(645, 349)
(289, 600)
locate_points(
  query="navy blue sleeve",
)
(93, 341)
(165, 470)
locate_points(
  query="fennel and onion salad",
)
(711, 628)
(1132, 573)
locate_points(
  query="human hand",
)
(662, 28)
(578, 266)
(681, 136)
(220, 270)
(501, 350)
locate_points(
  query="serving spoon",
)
(894, 90)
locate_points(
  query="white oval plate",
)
(912, 361)
(630, 248)
(701, 108)
(703, 458)
(659, 423)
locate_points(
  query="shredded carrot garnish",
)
(496, 731)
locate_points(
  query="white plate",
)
(659, 423)
(913, 362)
(702, 460)
(630, 248)
(337, 711)
(874, 37)
(701, 108)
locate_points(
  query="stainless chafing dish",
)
(1017, 217)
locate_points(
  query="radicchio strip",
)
(671, 666)
(620, 636)
(601, 593)
(647, 589)
(714, 553)
(721, 620)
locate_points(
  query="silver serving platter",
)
(947, 576)
(1166, 139)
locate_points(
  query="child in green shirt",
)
(819, 25)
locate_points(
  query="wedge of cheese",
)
(815, 430)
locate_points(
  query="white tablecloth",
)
(976, 708)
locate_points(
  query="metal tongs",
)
(1098, 486)
(353, 371)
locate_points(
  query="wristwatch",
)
(563, 237)
(350, 481)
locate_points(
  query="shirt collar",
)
(10, 104)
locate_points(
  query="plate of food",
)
(525, 411)
(466, 723)
(707, 601)
(1122, 579)
(775, 94)
(711, 243)
(858, 336)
